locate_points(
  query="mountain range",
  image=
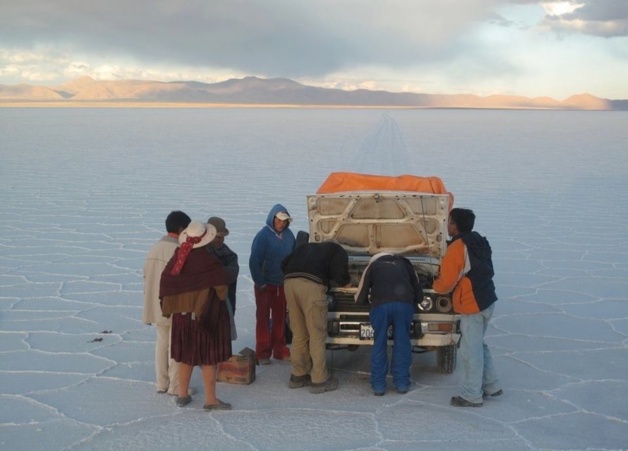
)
(254, 91)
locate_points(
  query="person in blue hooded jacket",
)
(274, 242)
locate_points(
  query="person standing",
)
(166, 369)
(193, 289)
(270, 246)
(393, 287)
(229, 259)
(467, 269)
(309, 270)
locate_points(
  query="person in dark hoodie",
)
(392, 287)
(467, 269)
(309, 272)
(274, 242)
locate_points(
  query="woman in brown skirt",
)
(193, 289)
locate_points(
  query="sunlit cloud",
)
(560, 8)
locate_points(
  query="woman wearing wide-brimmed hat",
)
(194, 289)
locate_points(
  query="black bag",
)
(211, 314)
(288, 331)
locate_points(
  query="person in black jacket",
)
(229, 259)
(394, 287)
(308, 272)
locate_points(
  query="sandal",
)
(183, 401)
(220, 406)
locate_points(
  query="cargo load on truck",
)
(338, 182)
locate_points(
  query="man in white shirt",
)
(166, 369)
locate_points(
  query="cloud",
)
(442, 46)
(602, 18)
(280, 38)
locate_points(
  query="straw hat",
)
(207, 232)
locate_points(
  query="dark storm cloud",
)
(47, 39)
(604, 18)
(602, 10)
(287, 37)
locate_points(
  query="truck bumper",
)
(428, 330)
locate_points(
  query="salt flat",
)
(85, 193)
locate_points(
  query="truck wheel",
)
(446, 359)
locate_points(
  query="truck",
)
(407, 215)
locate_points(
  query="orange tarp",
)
(348, 181)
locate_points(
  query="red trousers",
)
(270, 327)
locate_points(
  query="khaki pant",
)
(307, 307)
(166, 369)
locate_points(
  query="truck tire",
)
(446, 359)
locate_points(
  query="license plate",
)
(366, 331)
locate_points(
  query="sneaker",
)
(300, 381)
(220, 406)
(264, 361)
(161, 391)
(378, 391)
(402, 390)
(461, 402)
(181, 402)
(330, 385)
(492, 395)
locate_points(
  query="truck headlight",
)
(331, 302)
(443, 304)
(426, 304)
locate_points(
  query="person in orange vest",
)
(467, 269)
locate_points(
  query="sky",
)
(85, 193)
(484, 47)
